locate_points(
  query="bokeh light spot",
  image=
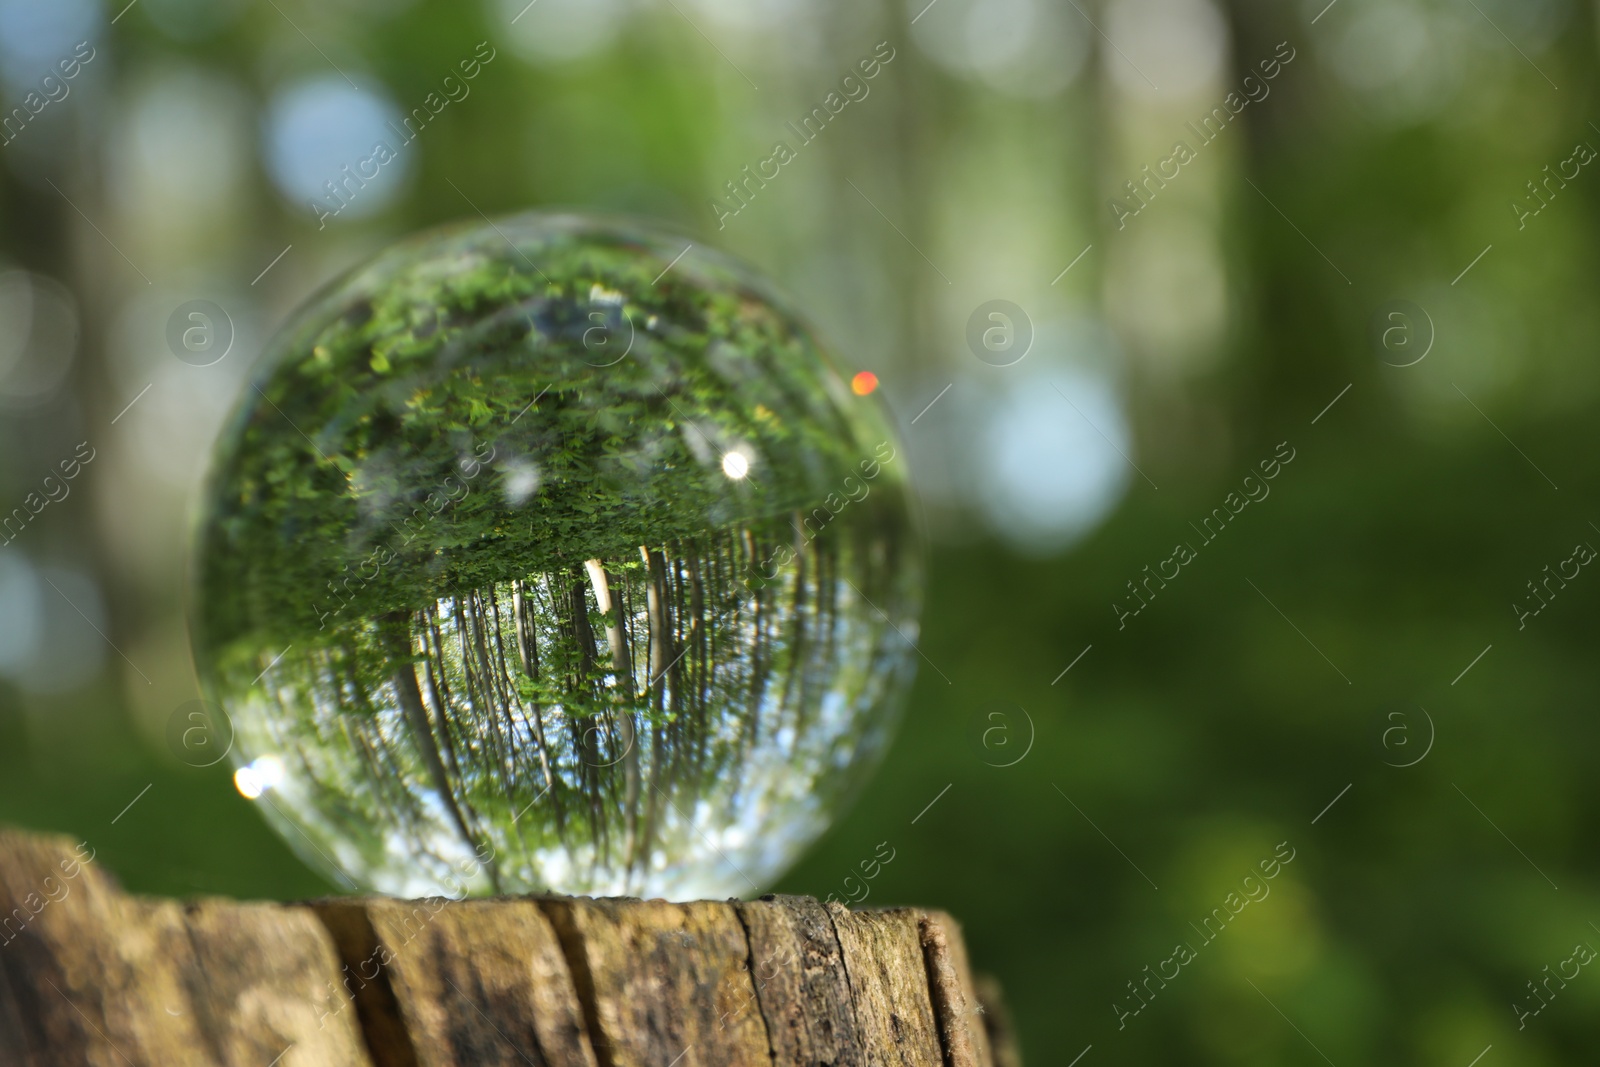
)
(322, 146)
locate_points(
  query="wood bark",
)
(93, 977)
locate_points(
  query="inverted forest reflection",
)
(504, 617)
(515, 743)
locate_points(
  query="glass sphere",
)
(548, 555)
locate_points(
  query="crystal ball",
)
(553, 554)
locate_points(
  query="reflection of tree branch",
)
(397, 632)
(439, 686)
(760, 660)
(509, 697)
(797, 640)
(528, 654)
(589, 759)
(697, 601)
(662, 657)
(622, 670)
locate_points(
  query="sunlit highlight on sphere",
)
(259, 776)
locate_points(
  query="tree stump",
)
(92, 977)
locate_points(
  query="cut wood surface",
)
(92, 977)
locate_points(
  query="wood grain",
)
(92, 977)
(961, 1026)
(889, 985)
(800, 986)
(669, 983)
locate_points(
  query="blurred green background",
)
(1372, 610)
